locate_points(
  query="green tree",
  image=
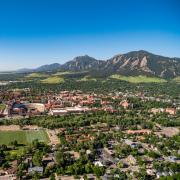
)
(37, 158)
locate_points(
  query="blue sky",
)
(37, 32)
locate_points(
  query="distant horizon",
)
(38, 32)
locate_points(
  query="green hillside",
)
(53, 80)
(138, 79)
(36, 75)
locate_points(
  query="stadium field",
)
(23, 137)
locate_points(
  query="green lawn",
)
(138, 79)
(53, 80)
(23, 137)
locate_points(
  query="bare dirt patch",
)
(10, 128)
(30, 127)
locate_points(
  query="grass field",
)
(63, 73)
(23, 137)
(2, 106)
(138, 79)
(53, 80)
(87, 78)
(19, 151)
(67, 72)
(177, 79)
(36, 75)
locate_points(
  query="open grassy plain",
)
(36, 75)
(138, 79)
(53, 80)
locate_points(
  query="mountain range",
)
(132, 63)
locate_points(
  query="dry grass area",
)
(168, 131)
(10, 128)
(75, 154)
(53, 137)
(17, 127)
(30, 127)
(67, 178)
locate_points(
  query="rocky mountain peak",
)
(132, 63)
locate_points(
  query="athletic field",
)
(23, 137)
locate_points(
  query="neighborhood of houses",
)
(20, 104)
